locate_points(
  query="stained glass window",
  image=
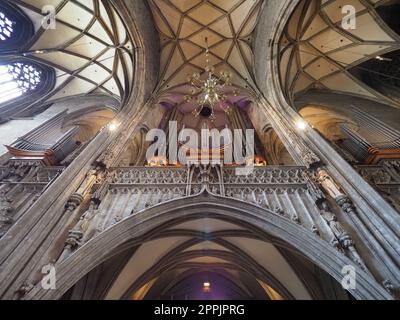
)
(6, 27)
(17, 79)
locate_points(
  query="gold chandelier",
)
(209, 92)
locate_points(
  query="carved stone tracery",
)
(19, 178)
(282, 190)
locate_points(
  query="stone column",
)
(289, 135)
(44, 222)
(342, 240)
(28, 244)
(379, 223)
(369, 216)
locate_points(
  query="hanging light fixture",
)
(207, 287)
(209, 93)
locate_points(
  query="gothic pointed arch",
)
(24, 82)
(16, 28)
(133, 231)
(81, 191)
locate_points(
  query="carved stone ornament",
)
(329, 184)
(74, 201)
(388, 285)
(346, 204)
(309, 158)
(73, 239)
(25, 288)
(6, 213)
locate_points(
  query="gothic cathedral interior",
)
(199, 149)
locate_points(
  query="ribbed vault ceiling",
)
(183, 27)
(210, 245)
(317, 53)
(89, 48)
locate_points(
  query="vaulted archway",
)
(267, 226)
(78, 191)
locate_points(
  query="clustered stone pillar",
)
(375, 232)
(73, 238)
(347, 206)
(333, 190)
(85, 228)
(85, 190)
(342, 240)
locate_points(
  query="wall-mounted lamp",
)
(380, 58)
(301, 125)
(112, 126)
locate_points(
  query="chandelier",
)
(210, 93)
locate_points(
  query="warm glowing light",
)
(301, 125)
(380, 58)
(113, 126)
(206, 287)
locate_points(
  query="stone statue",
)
(85, 224)
(89, 180)
(344, 239)
(331, 219)
(328, 184)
